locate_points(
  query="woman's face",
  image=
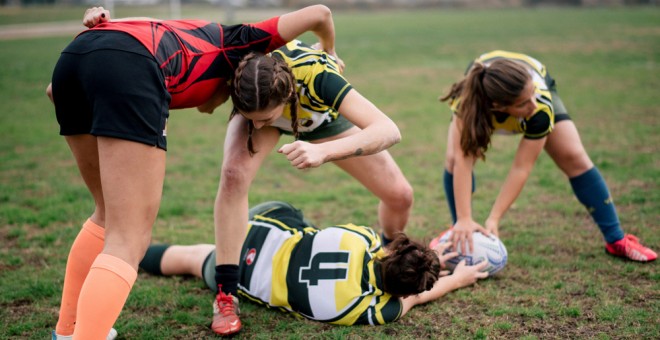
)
(264, 117)
(524, 106)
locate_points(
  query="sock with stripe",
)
(591, 190)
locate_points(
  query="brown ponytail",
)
(410, 268)
(262, 82)
(500, 82)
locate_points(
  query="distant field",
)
(559, 283)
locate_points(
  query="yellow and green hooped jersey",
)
(327, 275)
(321, 87)
(541, 123)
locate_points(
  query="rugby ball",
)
(486, 248)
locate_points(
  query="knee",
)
(449, 164)
(234, 179)
(401, 197)
(575, 162)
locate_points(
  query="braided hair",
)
(262, 82)
(502, 82)
(410, 268)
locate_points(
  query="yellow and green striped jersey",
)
(541, 123)
(319, 84)
(327, 275)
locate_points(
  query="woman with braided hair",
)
(299, 90)
(340, 275)
(512, 93)
(113, 87)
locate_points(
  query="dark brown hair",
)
(410, 268)
(501, 82)
(262, 82)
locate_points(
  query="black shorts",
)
(116, 93)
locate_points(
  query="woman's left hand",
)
(95, 15)
(492, 226)
(303, 155)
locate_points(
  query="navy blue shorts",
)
(117, 93)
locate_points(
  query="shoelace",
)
(225, 303)
(632, 238)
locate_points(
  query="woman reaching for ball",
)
(513, 93)
(340, 275)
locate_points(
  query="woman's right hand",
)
(466, 275)
(95, 15)
(462, 234)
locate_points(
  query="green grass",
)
(558, 283)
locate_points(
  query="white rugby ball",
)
(486, 248)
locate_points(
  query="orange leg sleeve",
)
(88, 245)
(102, 296)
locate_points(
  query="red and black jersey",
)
(194, 55)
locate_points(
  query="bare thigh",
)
(85, 151)
(132, 177)
(565, 148)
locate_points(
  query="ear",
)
(498, 107)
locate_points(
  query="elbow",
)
(396, 134)
(49, 92)
(323, 13)
(396, 138)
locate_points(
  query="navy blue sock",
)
(227, 276)
(151, 261)
(591, 190)
(448, 180)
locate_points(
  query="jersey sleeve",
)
(387, 309)
(331, 87)
(269, 26)
(239, 40)
(539, 125)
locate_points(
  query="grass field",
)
(559, 283)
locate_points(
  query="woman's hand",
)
(95, 15)
(466, 275)
(333, 53)
(462, 234)
(492, 226)
(444, 257)
(303, 155)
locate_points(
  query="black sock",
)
(385, 241)
(151, 261)
(227, 276)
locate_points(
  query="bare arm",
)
(378, 133)
(528, 152)
(97, 15)
(317, 19)
(463, 276)
(463, 166)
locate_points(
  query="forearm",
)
(373, 139)
(463, 168)
(316, 18)
(441, 287)
(509, 192)
(526, 155)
